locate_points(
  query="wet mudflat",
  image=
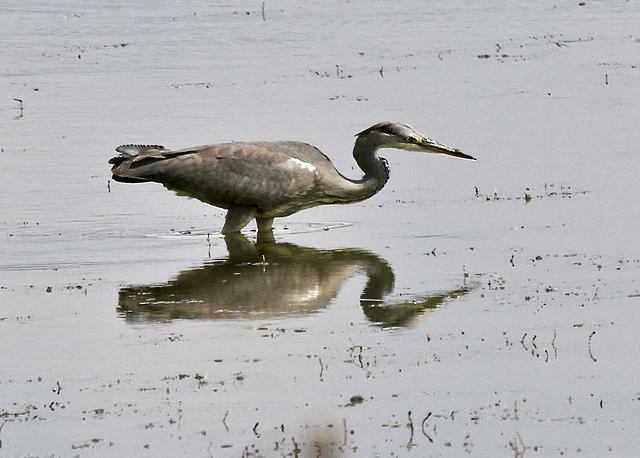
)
(485, 307)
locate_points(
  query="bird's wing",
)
(264, 175)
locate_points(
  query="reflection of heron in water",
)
(265, 180)
(265, 280)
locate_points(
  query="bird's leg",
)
(241, 249)
(265, 224)
(237, 218)
(265, 230)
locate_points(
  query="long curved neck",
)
(376, 171)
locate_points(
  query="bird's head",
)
(402, 136)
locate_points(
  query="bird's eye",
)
(410, 139)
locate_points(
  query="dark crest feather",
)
(386, 127)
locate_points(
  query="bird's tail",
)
(134, 164)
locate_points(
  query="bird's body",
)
(266, 180)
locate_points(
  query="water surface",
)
(487, 307)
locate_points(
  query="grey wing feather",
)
(134, 150)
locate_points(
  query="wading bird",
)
(265, 180)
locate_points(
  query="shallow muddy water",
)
(485, 307)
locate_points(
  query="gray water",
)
(485, 307)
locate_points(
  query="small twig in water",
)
(522, 341)
(344, 426)
(422, 427)
(515, 446)
(410, 444)
(224, 420)
(21, 108)
(589, 346)
(296, 449)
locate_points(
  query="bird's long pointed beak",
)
(433, 146)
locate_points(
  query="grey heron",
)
(265, 180)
